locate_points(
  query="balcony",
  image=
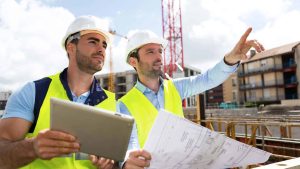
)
(260, 70)
(291, 96)
(273, 83)
(291, 85)
(265, 98)
(269, 83)
(250, 86)
(289, 63)
(291, 82)
(121, 80)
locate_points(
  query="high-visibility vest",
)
(57, 90)
(145, 113)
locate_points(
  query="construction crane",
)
(173, 54)
(172, 32)
(111, 79)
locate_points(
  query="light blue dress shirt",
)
(187, 86)
(21, 103)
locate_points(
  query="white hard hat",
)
(86, 24)
(140, 39)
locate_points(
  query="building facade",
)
(4, 95)
(214, 97)
(123, 82)
(271, 76)
(231, 89)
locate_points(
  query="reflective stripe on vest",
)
(57, 90)
(145, 113)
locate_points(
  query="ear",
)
(133, 61)
(71, 48)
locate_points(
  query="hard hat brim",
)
(84, 32)
(158, 41)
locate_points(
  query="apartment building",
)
(271, 76)
(226, 92)
(231, 89)
(3, 100)
(124, 81)
(214, 97)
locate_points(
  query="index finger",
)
(93, 158)
(244, 36)
(59, 135)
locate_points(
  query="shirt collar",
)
(96, 96)
(142, 88)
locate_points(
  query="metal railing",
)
(262, 132)
(261, 69)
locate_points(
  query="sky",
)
(31, 31)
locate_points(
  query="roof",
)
(192, 68)
(274, 51)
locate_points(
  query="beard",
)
(87, 64)
(149, 71)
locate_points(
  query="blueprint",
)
(177, 143)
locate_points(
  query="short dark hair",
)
(135, 54)
(73, 38)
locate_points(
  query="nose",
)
(158, 56)
(101, 49)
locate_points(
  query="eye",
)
(150, 51)
(93, 42)
(104, 45)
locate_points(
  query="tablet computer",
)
(99, 131)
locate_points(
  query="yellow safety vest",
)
(57, 90)
(145, 113)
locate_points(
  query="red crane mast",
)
(172, 32)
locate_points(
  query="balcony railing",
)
(289, 64)
(250, 86)
(260, 85)
(273, 82)
(266, 98)
(261, 69)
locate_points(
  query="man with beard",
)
(152, 92)
(25, 138)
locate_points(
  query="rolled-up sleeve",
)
(213, 77)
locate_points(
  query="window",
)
(267, 93)
(252, 95)
(233, 82)
(263, 62)
(233, 96)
